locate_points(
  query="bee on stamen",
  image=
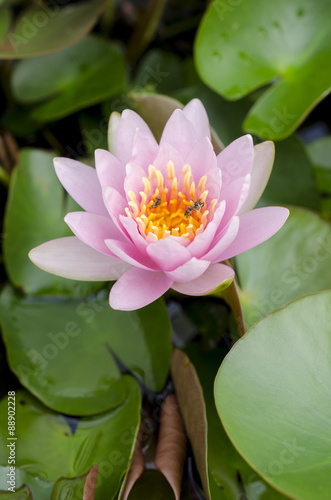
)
(157, 202)
(193, 208)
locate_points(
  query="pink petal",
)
(113, 125)
(126, 130)
(214, 184)
(168, 254)
(81, 182)
(179, 133)
(201, 158)
(129, 254)
(197, 115)
(138, 288)
(264, 154)
(236, 160)
(93, 229)
(110, 170)
(134, 178)
(145, 149)
(202, 241)
(215, 275)
(115, 204)
(189, 271)
(165, 154)
(70, 258)
(235, 194)
(255, 227)
(222, 240)
(132, 229)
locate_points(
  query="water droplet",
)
(277, 26)
(245, 58)
(301, 12)
(262, 32)
(216, 56)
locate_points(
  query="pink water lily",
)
(160, 216)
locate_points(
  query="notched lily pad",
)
(43, 436)
(242, 46)
(66, 352)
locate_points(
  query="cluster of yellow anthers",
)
(164, 210)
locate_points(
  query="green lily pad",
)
(294, 262)
(40, 489)
(273, 395)
(35, 210)
(228, 476)
(66, 352)
(41, 29)
(47, 447)
(292, 180)
(79, 76)
(65, 488)
(242, 46)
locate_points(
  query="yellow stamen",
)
(167, 211)
(132, 195)
(147, 185)
(202, 183)
(171, 170)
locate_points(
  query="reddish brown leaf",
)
(171, 447)
(90, 483)
(192, 405)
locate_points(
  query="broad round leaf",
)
(47, 447)
(294, 262)
(224, 474)
(69, 353)
(35, 210)
(242, 46)
(74, 78)
(41, 29)
(273, 395)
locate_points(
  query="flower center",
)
(170, 207)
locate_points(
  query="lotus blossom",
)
(160, 216)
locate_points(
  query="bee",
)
(193, 208)
(157, 202)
